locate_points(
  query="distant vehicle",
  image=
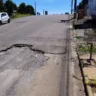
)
(38, 13)
(66, 13)
(46, 12)
(4, 18)
(92, 8)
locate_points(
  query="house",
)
(91, 8)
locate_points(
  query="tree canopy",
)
(82, 4)
(22, 8)
(30, 9)
(1, 7)
(9, 6)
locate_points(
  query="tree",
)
(82, 4)
(1, 7)
(30, 9)
(14, 6)
(10, 7)
(22, 8)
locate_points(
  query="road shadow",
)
(66, 21)
(85, 25)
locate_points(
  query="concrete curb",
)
(74, 59)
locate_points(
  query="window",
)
(3, 14)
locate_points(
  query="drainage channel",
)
(65, 82)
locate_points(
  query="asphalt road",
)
(44, 32)
(33, 50)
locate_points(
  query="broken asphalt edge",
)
(30, 47)
(22, 45)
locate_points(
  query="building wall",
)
(92, 7)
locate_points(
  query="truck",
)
(91, 8)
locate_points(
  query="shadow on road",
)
(65, 21)
(85, 25)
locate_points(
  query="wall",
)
(92, 7)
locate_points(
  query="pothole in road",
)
(21, 57)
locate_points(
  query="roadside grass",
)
(78, 37)
(86, 49)
(17, 15)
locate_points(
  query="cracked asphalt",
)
(43, 32)
(32, 51)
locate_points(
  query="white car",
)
(4, 18)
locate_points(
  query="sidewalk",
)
(83, 49)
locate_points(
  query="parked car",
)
(4, 18)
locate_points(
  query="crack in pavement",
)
(22, 45)
(31, 48)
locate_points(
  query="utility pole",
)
(43, 12)
(71, 6)
(35, 8)
(75, 8)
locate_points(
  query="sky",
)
(52, 6)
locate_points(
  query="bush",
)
(2, 8)
(10, 7)
(22, 8)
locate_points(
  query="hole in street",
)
(21, 56)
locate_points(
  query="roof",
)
(2, 12)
